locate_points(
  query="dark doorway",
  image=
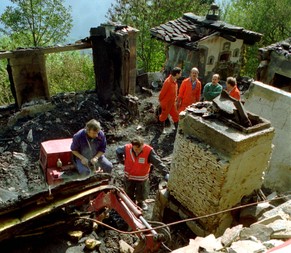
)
(281, 82)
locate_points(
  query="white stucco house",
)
(205, 42)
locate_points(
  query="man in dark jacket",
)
(88, 147)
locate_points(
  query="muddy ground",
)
(20, 174)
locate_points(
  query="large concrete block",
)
(215, 165)
(274, 105)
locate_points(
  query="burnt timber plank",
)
(47, 50)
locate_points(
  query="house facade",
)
(205, 42)
(275, 65)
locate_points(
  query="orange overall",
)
(187, 94)
(167, 100)
(235, 93)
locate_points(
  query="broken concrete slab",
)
(230, 235)
(279, 210)
(260, 232)
(246, 246)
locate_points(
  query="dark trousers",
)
(137, 190)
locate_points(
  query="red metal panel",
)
(51, 151)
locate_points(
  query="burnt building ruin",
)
(114, 58)
(205, 42)
(275, 65)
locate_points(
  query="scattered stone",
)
(270, 219)
(260, 231)
(30, 136)
(75, 235)
(272, 243)
(230, 235)
(280, 225)
(284, 235)
(92, 243)
(246, 246)
(279, 210)
(254, 212)
(210, 243)
(125, 247)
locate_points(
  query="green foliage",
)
(146, 14)
(66, 72)
(36, 22)
(268, 17)
(70, 71)
(6, 97)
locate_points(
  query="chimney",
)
(213, 13)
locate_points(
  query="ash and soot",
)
(23, 131)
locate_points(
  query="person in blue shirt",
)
(88, 148)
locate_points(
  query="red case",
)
(51, 151)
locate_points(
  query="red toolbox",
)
(51, 152)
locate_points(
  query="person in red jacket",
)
(231, 88)
(137, 158)
(168, 96)
(190, 91)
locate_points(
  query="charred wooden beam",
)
(14, 220)
(46, 50)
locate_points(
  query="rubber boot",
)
(162, 127)
(176, 127)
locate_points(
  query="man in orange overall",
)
(138, 158)
(231, 88)
(190, 91)
(167, 97)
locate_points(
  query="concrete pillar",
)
(214, 166)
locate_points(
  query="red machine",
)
(116, 198)
(56, 157)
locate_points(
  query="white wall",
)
(274, 105)
(214, 44)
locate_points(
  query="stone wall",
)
(214, 166)
(274, 105)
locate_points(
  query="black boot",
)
(176, 125)
(162, 126)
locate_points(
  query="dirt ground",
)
(20, 138)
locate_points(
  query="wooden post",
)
(29, 76)
(103, 59)
(114, 57)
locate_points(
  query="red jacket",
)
(188, 95)
(137, 167)
(235, 93)
(168, 94)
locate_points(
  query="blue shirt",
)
(87, 146)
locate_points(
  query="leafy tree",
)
(37, 22)
(145, 14)
(70, 71)
(271, 18)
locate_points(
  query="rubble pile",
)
(272, 229)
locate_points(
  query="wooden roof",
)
(189, 29)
